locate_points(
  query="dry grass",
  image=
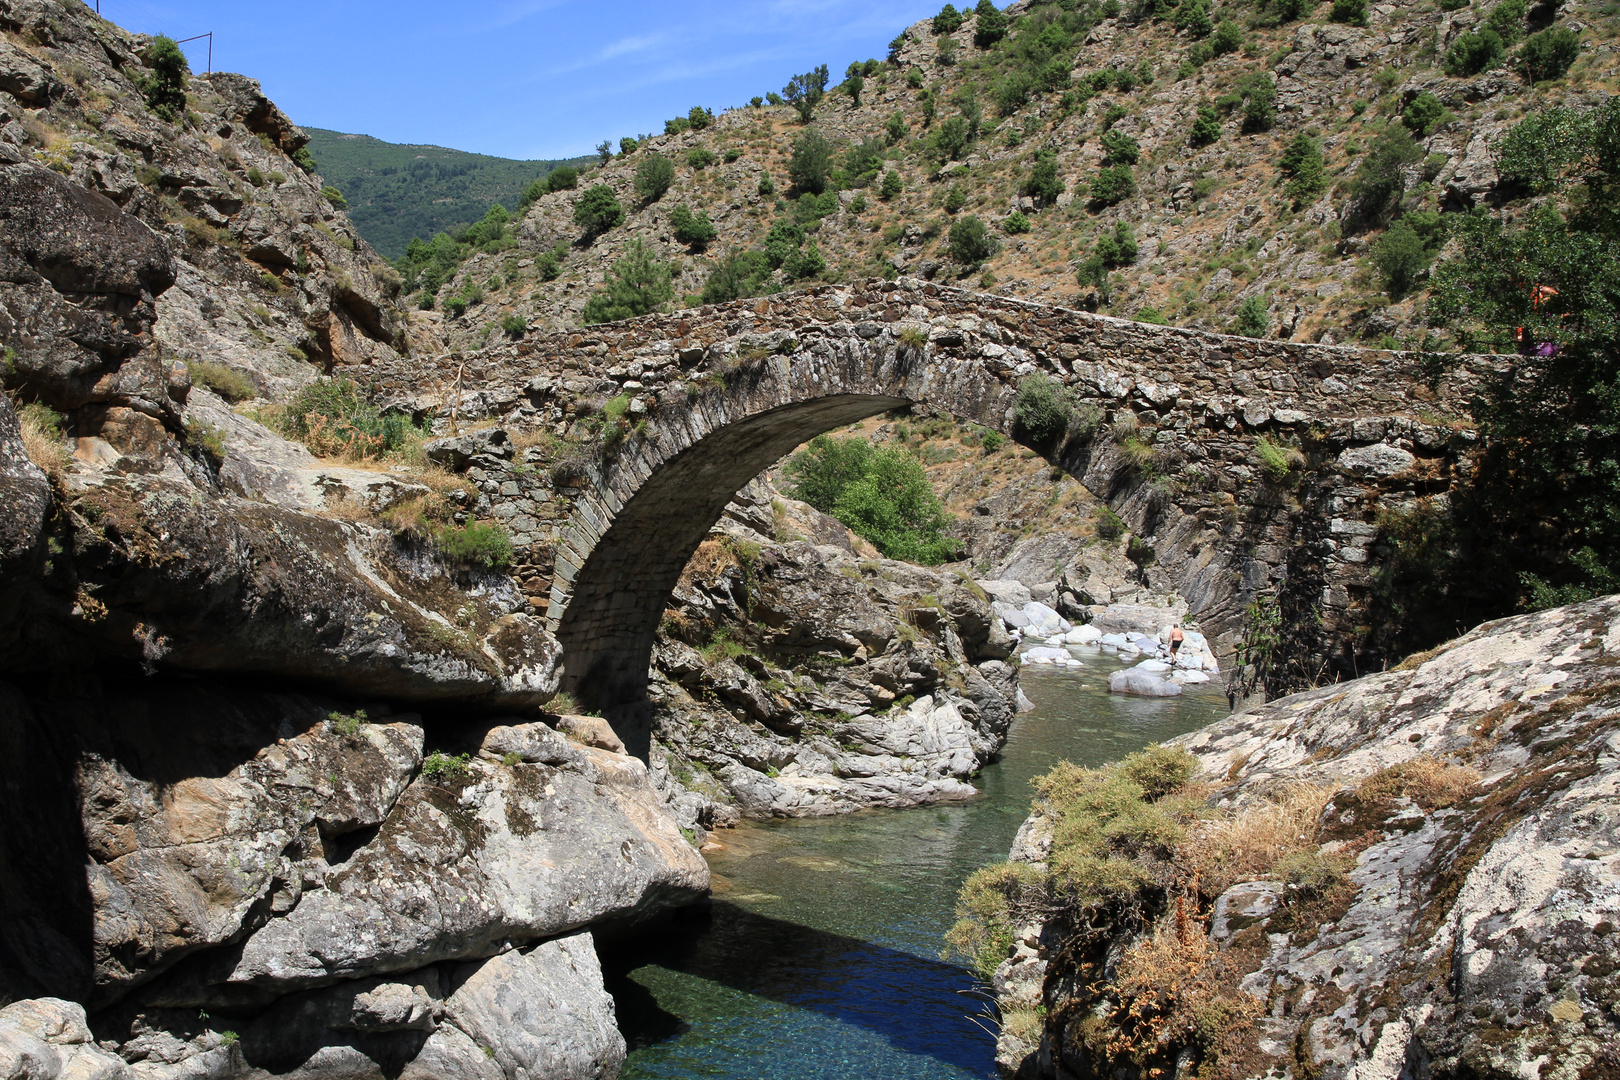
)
(1426, 780)
(1248, 845)
(42, 439)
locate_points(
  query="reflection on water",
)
(820, 957)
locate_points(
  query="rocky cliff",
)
(1415, 874)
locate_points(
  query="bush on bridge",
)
(882, 493)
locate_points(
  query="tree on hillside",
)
(745, 273)
(1540, 520)
(855, 84)
(604, 152)
(164, 85)
(1044, 183)
(691, 228)
(970, 242)
(597, 211)
(1303, 165)
(640, 285)
(804, 92)
(949, 20)
(653, 177)
(810, 162)
(989, 24)
(882, 493)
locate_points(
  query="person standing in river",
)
(1176, 638)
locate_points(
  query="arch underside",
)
(619, 596)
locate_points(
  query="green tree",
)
(1207, 127)
(1549, 53)
(1192, 16)
(804, 92)
(1508, 20)
(955, 198)
(640, 285)
(1380, 178)
(1252, 319)
(1352, 12)
(1015, 223)
(1228, 38)
(1423, 113)
(163, 85)
(896, 128)
(805, 263)
(1118, 248)
(699, 117)
(597, 211)
(952, 139)
(1113, 183)
(1303, 165)
(1400, 256)
(989, 24)
(1543, 506)
(604, 152)
(745, 273)
(854, 85)
(949, 20)
(1044, 183)
(971, 242)
(783, 242)
(810, 162)
(882, 493)
(1259, 93)
(767, 186)
(627, 146)
(1474, 53)
(691, 228)
(653, 176)
(562, 178)
(1120, 149)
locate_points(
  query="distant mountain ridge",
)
(397, 191)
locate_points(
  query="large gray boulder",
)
(1141, 684)
(48, 1039)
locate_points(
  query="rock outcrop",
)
(1469, 799)
(797, 679)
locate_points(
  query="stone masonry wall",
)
(1177, 451)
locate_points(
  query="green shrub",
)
(640, 284)
(598, 210)
(513, 326)
(896, 128)
(223, 380)
(955, 198)
(1147, 313)
(548, 264)
(1400, 256)
(1044, 183)
(206, 439)
(1042, 409)
(1474, 53)
(1352, 12)
(1303, 165)
(347, 724)
(439, 766)
(783, 241)
(892, 186)
(1276, 459)
(699, 158)
(1120, 149)
(952, 139)
(335, 197)
(333, 418)
(1228, 38)
(564, 178)
(689, 228)
(1507, 19)
(1380, 178)
(1252, 319)
(882, 493)
(809, 162)
(746, 273)
(164, 84)
(986, 922)
(806, 263)
(970, 242)
(992, 440)
(699, 118)
(1192, 17)
(767, 186)
(476, 544)
(1109, 525)
(1259, 93)
(1549, 53)
(1307, 875)
(1113, 184)
(653, 176)
(1015, 223)
(1206, 128)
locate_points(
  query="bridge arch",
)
(733, 387)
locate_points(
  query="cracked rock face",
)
(1476, 936)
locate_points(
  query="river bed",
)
(820, 958)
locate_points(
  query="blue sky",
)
(519, 78)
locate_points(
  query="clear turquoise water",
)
(820, 958)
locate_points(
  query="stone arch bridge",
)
(727, 390)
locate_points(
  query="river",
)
(820, 958)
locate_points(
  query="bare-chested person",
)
(1176, 638)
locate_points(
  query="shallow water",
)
(820, 957)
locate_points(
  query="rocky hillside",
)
(1416, 873)
(1215, 217)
